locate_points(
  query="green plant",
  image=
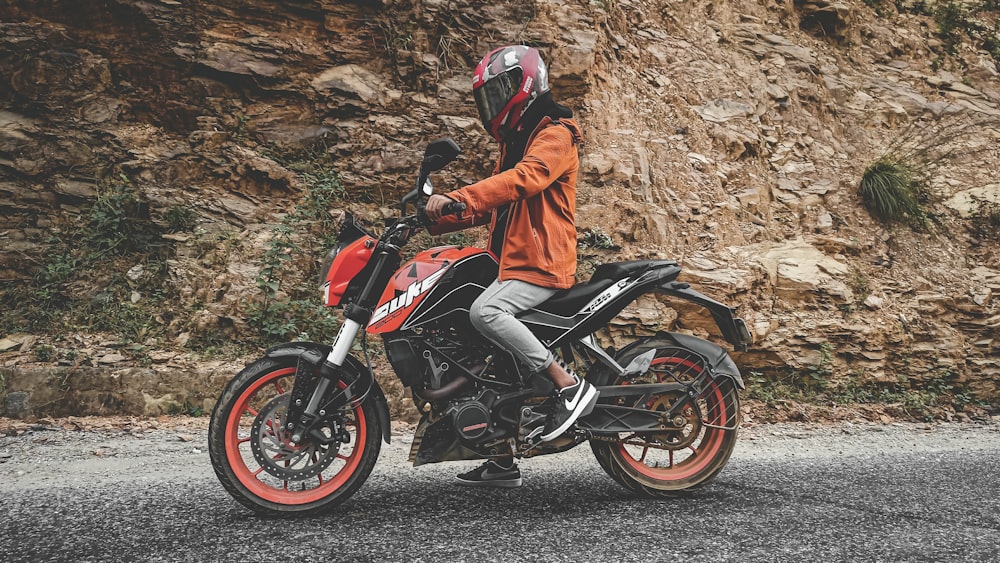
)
(859, 283)
(985, 219)
(596, 238)
(951, 18)
(240, 134)
(899, 186)
(288, 299)
(819, 374)
(45, 353)
(180, 218)
(461, 238)
(118, 222)
(892, 190)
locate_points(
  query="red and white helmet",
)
(505, 84)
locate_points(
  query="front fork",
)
(307, 407)
(301, 418)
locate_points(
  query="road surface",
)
(850, 492)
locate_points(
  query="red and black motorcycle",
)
(300, 429)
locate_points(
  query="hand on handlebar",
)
(438, 206)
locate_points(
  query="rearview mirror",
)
(438, 155)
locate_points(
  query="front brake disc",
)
(277, 455)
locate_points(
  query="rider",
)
(529, 204)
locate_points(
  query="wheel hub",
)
(277, 455)
(680, 430)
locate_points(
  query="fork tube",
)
(342, 346)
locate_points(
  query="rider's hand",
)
(435, 204)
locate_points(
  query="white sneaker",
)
(571, 403)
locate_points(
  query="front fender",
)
(351, 364)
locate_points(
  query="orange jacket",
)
(539, 245)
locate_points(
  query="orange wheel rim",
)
(253, 477)
(697, 456)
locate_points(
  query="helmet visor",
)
(493, 96)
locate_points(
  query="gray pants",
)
(492, 314)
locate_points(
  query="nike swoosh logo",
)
(571, 404)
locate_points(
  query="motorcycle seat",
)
(620, 270)
(568, 302)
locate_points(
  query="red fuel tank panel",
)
(411, 284)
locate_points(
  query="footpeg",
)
(530, 427)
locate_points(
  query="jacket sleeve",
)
(451, 223)
(547, 158)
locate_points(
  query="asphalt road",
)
(790, 493)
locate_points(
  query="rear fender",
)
(351, 364)
(718, 359)
(733, 328)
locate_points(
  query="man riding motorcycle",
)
(529, 204)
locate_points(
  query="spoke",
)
(259, 469)
(671, 452)
(253, 412)
(645, 450)
(277, 387)
(243, 441)
(343, 457)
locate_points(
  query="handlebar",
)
(454, 208)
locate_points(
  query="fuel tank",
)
(437, 282)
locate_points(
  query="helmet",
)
(505, 84)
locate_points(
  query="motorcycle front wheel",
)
(258, 465)
(694, 448)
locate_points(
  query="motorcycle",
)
(299, 430)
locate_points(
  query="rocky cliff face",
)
(730, 135)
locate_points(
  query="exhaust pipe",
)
(449, 389)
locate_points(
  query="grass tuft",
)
(892, 191)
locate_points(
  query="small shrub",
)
(596, 238)
(180, 219)
(461, 238)
(892, 191)
(951, 19)
(45, 353)
(289, 304)
(985, 219)
(118, 222)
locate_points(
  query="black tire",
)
(696, 453)
(242, 440)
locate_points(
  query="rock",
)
(135, 272)
(234, 59)
(753, 38)
(721, 110)
(969, 202)
(17, 405)
(824, 222)
(823, 17)
(798, 269)
(350, 79)
(76, 189)
(873, 302)
(108, 359)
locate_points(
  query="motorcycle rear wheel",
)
(257, 465)
(688, 456)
